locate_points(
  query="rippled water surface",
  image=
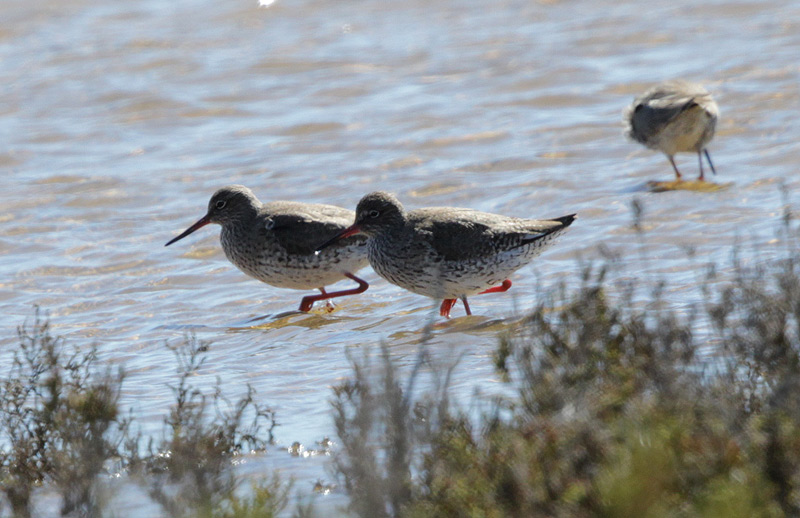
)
(119, 119)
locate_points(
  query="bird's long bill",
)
(349, 231)
(202, 222)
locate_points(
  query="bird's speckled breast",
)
(266, 260)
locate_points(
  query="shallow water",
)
(118, 121)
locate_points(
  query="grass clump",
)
(60, 421)
(618, 410)
(377, 476)
(189, 473)
(62, 428)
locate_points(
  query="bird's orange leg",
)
(447, 305)
(702, 177)
(308, 301)
(677, 173)
(466, 305)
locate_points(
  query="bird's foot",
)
(505, 286)
(307, 302)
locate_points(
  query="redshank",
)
(274, 242)
(444, 252)
(674, 117)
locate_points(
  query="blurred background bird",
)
(674, 117)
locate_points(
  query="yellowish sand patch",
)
(681, 185)
(436, 188)
(200, 253)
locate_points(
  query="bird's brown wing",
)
(660, 106)
(650, 118)
(301, 228)
(463, 234)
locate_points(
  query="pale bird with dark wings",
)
(275, 242)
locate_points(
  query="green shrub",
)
(618, 412)
(60, 420)
(62, 427)
(190, 472)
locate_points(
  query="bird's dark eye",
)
(221, 204)
(374, 213)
